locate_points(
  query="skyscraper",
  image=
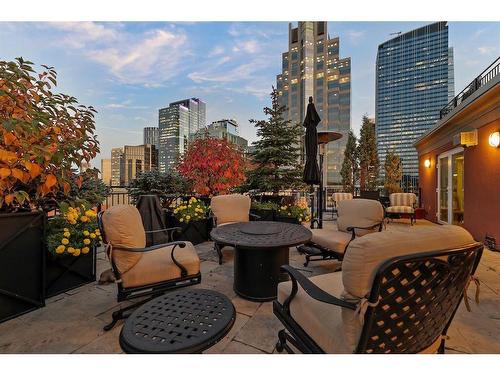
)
(176, 123)
(106, 171)
(225, 129)
(137, 159)
(414, 80)
(117, 167)
(150, 135)
(312, 67)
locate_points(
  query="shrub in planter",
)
(266, 210)
(296, 214)
(192, 216)
(72, 239)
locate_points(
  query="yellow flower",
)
(100, 238)
(90, 213)
(71, 250)
(67, 234)
(70, 217)
(60, 249)
(85, 250)
(97, 231)
(84, 219)
(73, 222)
(76, 253)
(181, 219)
(86, 233)
(86, 241)
(176, 210)
(92, 235)
(65, 229)
(188, 217)
(283, 207)
(65, 241)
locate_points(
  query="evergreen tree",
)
(393, 172)
(276, 155)
(349, 171)
(368, 157)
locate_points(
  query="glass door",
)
(451, 187)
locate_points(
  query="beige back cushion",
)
(337, 197)
(367, 253)
(123, 228)
(231, 208)
(359, 213)
(403, 199)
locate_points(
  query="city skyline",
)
(128, 71)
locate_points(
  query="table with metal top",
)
(183, 321)
(261, 248)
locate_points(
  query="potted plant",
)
(72, 239)
(265, 210)
(293, 213)
(192, 216)
(43, 135)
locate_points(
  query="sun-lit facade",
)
(414, 80)
(312, 67)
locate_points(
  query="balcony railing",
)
(487, 75)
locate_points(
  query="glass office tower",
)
(414, 80)
(151, 136)
(312, 67)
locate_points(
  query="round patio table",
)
(184, 321)
(261, 248)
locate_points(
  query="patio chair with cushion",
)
(142, 271)
(356, 218)
(229, 209)
(397, 293)
(337, 197)
(402, 203)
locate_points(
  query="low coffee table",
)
(184, 321)
(261, 248)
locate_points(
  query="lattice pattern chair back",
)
(403, 199)
(417, 298)
(337, 197)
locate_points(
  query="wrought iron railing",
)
(118, 195)
(487, 75)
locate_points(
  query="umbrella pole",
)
(320, 196)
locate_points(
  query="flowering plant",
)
(74, 231)
(189, 210)
(296, 211)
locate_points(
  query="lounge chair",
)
(142, 271)
(402, 203)
(337, 197)
(229, 209)
(397, 293)
(356, 217)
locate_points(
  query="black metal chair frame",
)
(314, 252)
(461, 262)
(150, 290)
(218, 246)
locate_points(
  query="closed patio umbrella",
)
(153, 218)
(311, 169)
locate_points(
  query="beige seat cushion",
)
(123, 229)
(400, 209)
(156, 266)
(335, 329)
(403, 199)
(359, 213)
(368, 252)
(231, 208)
(331, 238)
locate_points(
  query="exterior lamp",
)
(427, 163)
(494, 139)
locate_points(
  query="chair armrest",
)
(254, 217)
(170, 232)
(353, 229)
(312, 290)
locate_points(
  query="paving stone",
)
(106, 343)
(236, 347)
(244, 306)
(218, 348)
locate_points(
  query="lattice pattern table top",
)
(187, 321)
(261, 234)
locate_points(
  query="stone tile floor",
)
(72, 322)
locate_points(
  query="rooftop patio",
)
(73, 322)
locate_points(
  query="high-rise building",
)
(117, 167)
(414, 80)
(225, 129)
(150, 136)
(106, 171)
(137, 159)
(312, 67)
(176, 124)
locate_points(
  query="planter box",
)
(195, 231)
(265, 215)
(22, 263)
(286, 219)
(66, 272)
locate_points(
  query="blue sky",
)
(127, 71)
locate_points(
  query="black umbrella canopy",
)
(311, 169)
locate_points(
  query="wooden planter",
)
(66, 272)
(265, 215)
(286, 219)
(22, 263)
(195, 231)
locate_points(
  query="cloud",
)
(486, 50)
(216, 51)
(248, 46)
(355, 35)
(149, 58)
